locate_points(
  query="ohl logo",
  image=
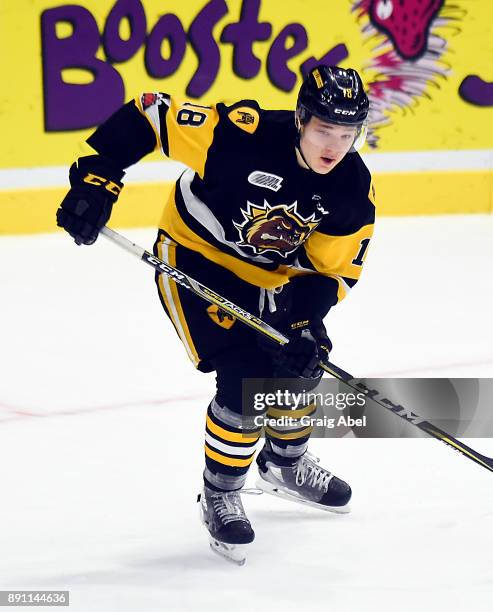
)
(410, 47)
(274, 228)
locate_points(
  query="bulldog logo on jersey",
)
(274, 228)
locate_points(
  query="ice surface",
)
(101, 427)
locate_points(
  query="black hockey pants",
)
(216, 342)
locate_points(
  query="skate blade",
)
(234, 553)
(277, 491)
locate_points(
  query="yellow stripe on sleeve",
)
(334, 255)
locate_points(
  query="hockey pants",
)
(214, 341)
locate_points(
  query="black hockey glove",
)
(95, 182)
(308, 345)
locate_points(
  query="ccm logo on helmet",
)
(342, 111)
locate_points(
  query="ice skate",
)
(302, 480)
(229, 528)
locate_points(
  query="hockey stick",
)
(189, 283)
(265, 329)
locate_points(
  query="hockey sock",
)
(288, 432)
(229, 448)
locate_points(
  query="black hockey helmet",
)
(333, 94)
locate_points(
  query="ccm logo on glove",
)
(308, 346)
(94, 179)
(95, 187)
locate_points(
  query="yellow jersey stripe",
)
(178, 306)
(170, 296)
(173, 224)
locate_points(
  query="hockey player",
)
(275, 212)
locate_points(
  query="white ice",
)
(101, 427)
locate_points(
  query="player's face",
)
(325, 144)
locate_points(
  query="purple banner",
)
(73, 106)
(70, 106)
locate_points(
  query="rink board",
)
(32, 210)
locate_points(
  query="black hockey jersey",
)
(245, 203)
